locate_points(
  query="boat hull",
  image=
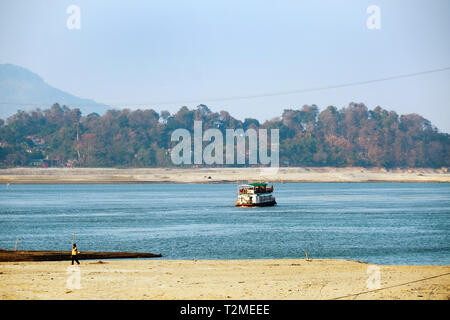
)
(263, 204)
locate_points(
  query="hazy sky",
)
(145, 52)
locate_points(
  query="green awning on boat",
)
(258, 184)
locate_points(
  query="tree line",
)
(350, 136)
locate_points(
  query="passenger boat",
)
(255, 195)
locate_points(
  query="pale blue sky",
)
(141, 52)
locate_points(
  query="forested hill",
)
(351, 136)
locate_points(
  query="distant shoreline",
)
(217, 175)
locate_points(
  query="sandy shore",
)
(220, 279)
(217, 175)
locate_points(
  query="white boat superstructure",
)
(255, 195)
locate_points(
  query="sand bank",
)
(221, 279)
(218, 175)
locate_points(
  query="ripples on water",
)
(386, 223)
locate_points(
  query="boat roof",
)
(260, 184)
(252, 185)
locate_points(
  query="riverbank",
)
(21, 255)
(221, 279)
(217, 175)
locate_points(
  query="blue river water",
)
(385, 223)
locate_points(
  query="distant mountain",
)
(22, 89)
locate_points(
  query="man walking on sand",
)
(74, 254)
